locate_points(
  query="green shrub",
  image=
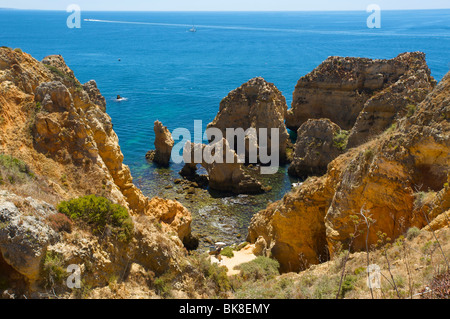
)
(18, 50)
(348, 284)
(38, 106)
(283, 288)
(99, 213)
(64, 76)
(14, 170)
(412, 233)
(163, 285)
(216, 275)
(391, 128)
(400, 281)
(259, 268)
(227, 252)
(411, 109)
(360, 270)
(326, 288)
(340, 140)
(368, 154)
(53, 271)
(242, 245)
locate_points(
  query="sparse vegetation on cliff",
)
(64, 76)
(53, 271)
(13, 170)
(340, 140)
(101, 215)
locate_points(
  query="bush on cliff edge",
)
(101, 215)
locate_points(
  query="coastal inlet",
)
(216, 216)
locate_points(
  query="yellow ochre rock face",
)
(341, 87)
(398, 180)
(59, 127)
(255, 104)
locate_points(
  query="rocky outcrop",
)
(173, 215)
(339, 88)
(384, 179)
(59, 128)
(102, 260)
(163, 145)
(223, 175)
(25, 233)
(318, 143)
(293, 227)
(255, 104)
(71, 129)
(396, 101)
(94, 94)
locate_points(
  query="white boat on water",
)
(193, 29)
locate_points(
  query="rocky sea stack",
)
(255, 104)
(163, 145)
(339, 88)
(361, 97)
(225, 176)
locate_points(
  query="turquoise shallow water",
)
(175, 76)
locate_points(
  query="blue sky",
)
(228, 5)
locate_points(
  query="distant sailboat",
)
(193, 29)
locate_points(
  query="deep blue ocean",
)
(176, 76)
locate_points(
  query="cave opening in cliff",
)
(11, 278)
(428, 178)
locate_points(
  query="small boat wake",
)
(120, 99)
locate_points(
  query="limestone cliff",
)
(318, 143)
(255, 104)
(395, 101)
(59, 129)
(399, 179)
(339, 88)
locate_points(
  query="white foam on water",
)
(378, 32)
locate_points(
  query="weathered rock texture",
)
(339, 88)
(255, 104)
(397, 100)
(318, 143)
(223, 176)
(25, 235)
(94, 94)
(385, 179)
(163, 144)
(59, 128)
